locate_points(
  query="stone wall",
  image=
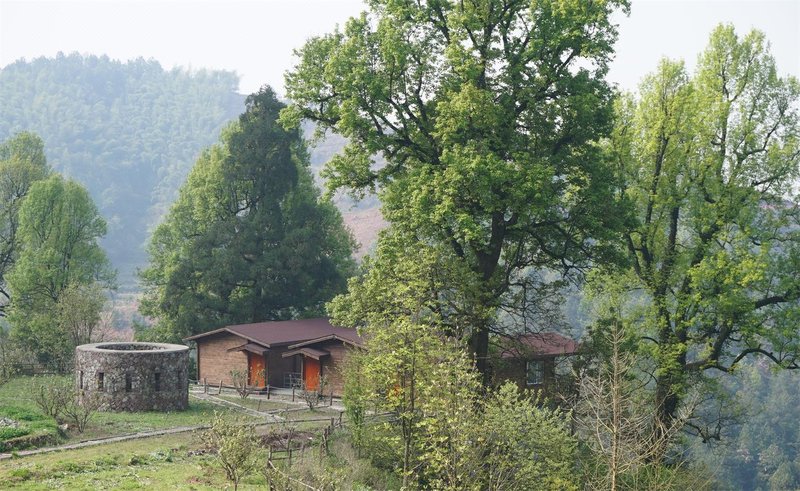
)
(134, 376)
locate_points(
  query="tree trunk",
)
(479, 343)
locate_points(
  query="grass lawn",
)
(170, 462)
(260, 405)
(152, 463)
(16, 402)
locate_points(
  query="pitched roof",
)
(311, 352)
(539, 344)
(279, 333)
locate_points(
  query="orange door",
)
(311, 373)
(257, 370)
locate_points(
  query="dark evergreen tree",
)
(249, 238)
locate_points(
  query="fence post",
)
(290, 456)
(219, 391)
(267, 391)
(205, 385)
(292, 394)
(340, 418)
(259, 405)
(331, 403)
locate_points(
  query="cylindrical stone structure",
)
(129, 376)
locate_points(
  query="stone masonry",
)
(130, 376)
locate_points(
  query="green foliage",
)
(444, 434)
(59, 229)
(127, 131)
(78, 311)
(709, 161)
(356, 397)
(762, 450)
(527, 445)
(58, 232)
(486, 115)
(235, 446)
(22, 162)
(248, 239)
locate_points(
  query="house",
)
(276, 353)
(536, 361)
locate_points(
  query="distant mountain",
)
(128, 131)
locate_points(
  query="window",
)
(128, 382)
(534, 372)
(157, 381)
(100, 377)
(80, 379)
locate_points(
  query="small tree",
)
(79, 407)
(313, 397)
(239, 380)
(357, 396)
(629, 445)
(234, 445)
(52, 397)
(525, 444)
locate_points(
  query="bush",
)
(79, 408)
(52, 397)
(234, 445)
(313, 397)
(9, 432)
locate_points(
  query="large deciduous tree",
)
(710, 161)
(22, 162)
(249, 238)
(485, 114)
(59, 227)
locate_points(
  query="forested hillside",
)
(129, 132)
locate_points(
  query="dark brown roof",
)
(311, 352)
(539, 344)
(280, 333)
(251, 347)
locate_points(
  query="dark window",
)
(534, 373)
(100, 377)
(128, 382)
(157, 381)
(80, 380)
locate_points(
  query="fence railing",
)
(10, 369)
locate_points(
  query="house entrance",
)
(256, 368)
(311, 371)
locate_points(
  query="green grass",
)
(166, 463)
(16, 402)
(265, 405)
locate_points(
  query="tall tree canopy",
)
(711, 161)
(248, 239)
(22, 162)
(486, 113)
(59, 229)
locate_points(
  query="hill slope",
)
(129, 132)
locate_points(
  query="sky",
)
(256, 38)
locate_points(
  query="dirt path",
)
(101, 441)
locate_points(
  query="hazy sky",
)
(256, 38)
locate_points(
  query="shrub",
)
(234, 446)
(52, 397)
(79, 408)
(313, 397)
(9, 432)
